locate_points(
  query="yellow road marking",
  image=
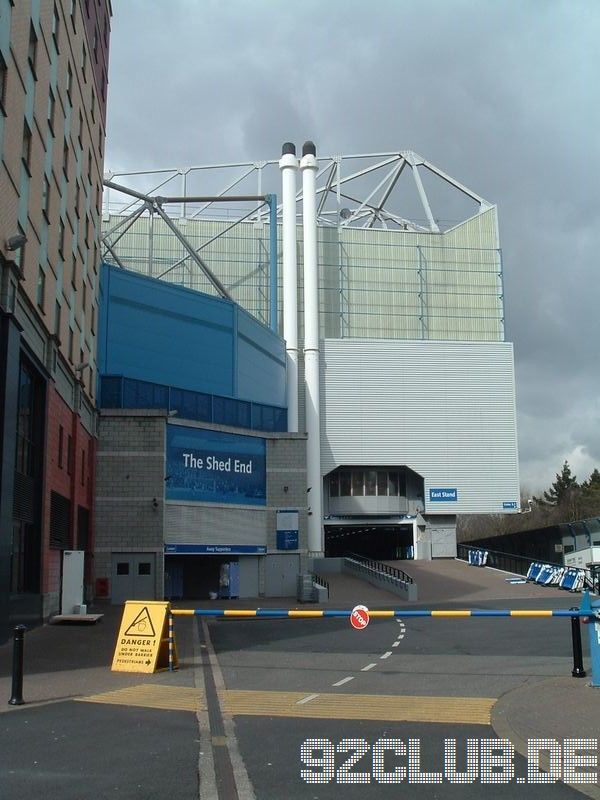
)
(171, 698)
(392, 708)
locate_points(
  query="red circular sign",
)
(359, 617)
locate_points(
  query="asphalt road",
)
(267, 709)
(284, 670)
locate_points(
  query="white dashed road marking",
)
(344, 680)
(368, 667)
(307, 699)
(386, 655)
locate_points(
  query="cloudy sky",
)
(501, 94)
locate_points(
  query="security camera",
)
(16, 242)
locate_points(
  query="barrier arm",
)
(587, 612)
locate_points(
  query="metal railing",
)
(509, 562)
(385, 571)
(320, 582)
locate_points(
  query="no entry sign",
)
(359, 618)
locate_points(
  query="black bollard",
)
(578, 670)
(16, 698)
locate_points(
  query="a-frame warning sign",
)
(143, 642)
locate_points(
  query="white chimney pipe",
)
(288, 164)
(308, 167)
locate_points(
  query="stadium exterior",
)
(416, 412)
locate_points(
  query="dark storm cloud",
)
(501, 95)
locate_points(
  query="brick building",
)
(53, 86)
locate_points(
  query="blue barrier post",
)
(594, 635)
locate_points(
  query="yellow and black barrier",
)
(147, 640)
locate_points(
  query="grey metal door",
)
(281, 572)
(248, 576)
(132, 577)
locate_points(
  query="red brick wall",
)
(57, 479)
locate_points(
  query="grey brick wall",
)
(129, 479)
(286, 484)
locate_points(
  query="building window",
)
(370, 483)
(57, 313)
(41, 289)
(46, 197)
(69, 83)
(70, 455)
(89, 169)
(60, 522)
(32, 51)
(72, 9)
(61, 441)
(334, 484)
(71, 345)
(55, 27)
(74, 273)
(66, 159)
(61, 237)
(83, 297)
(88, 225)
(51, 111)
(80, 131)
(77, 197)
(3, 77)
(83, 62)
(93, 106)
(96, 45)
(26, 147)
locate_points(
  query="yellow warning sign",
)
(143, 641)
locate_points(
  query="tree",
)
(590, 494)
(563, 488)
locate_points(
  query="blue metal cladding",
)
(215, 467)
(169, 336)
(119, 392)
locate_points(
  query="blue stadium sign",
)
(443, 495)
(509, 504)
(215, 549)
(214, 467)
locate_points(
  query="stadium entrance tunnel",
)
(378, 542)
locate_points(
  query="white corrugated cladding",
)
(444, 409)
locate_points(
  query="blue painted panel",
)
(261, 362)
(213, 467)
(157, 332)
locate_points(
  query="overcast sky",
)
(501, 94)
